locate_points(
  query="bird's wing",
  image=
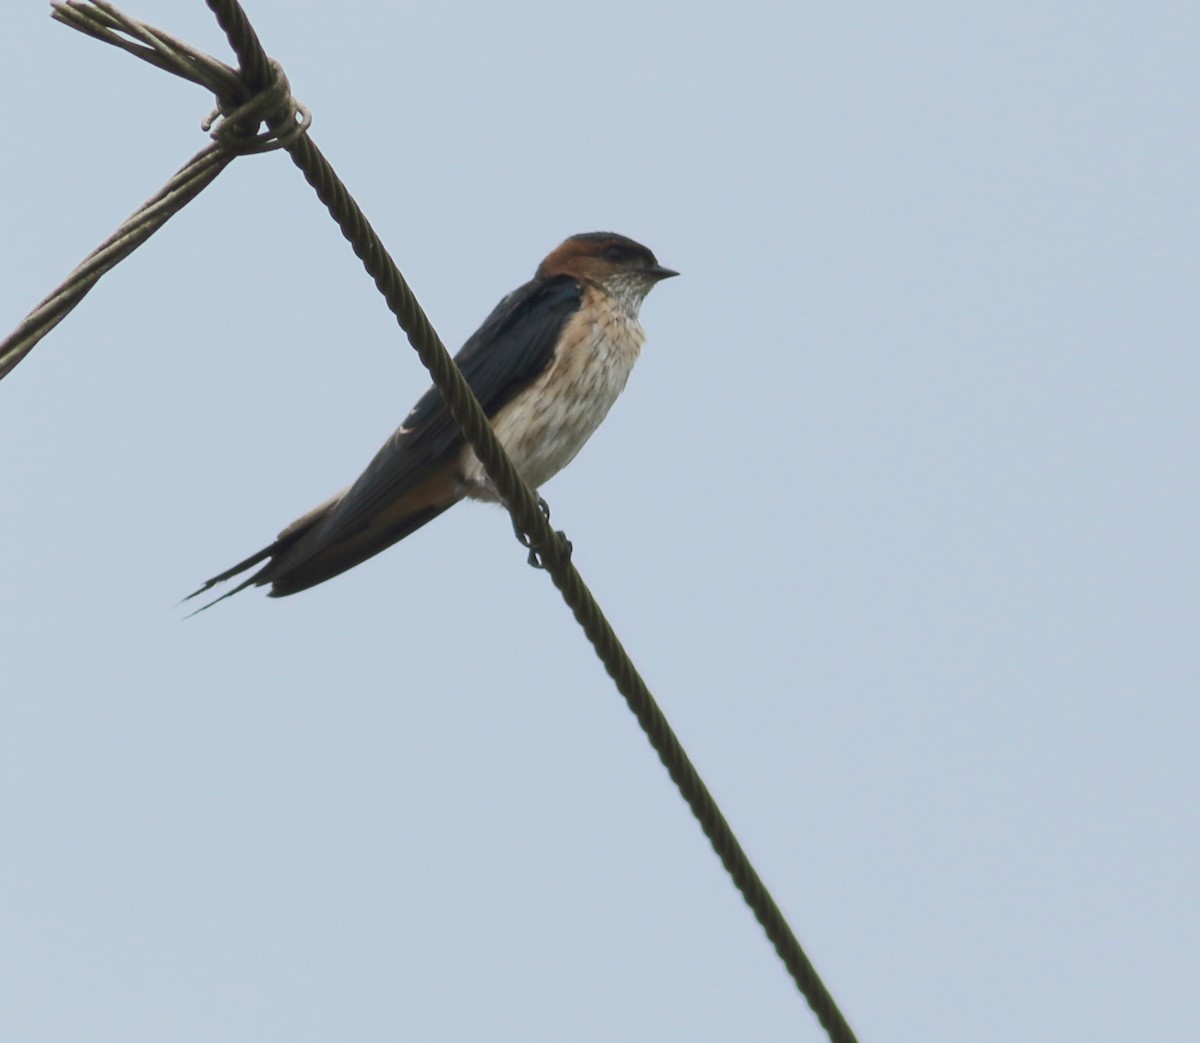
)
(411, 480)
(513, 346)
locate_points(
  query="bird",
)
(546, 365)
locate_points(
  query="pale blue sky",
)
(897, 515)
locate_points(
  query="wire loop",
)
(234, 128)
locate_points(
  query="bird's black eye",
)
(615, 253)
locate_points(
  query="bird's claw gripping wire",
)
(535, 551)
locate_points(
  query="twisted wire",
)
(241, 107)
(187, 183)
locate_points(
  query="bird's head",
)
(613, 262)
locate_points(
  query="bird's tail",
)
(276, 552)
(308, 552)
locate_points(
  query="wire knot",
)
(235, 128)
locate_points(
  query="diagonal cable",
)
(556, 559)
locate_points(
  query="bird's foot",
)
(536, 558)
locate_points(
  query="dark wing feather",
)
(513, 346)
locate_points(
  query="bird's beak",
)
(659, 272)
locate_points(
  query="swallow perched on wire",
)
(546, 366)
